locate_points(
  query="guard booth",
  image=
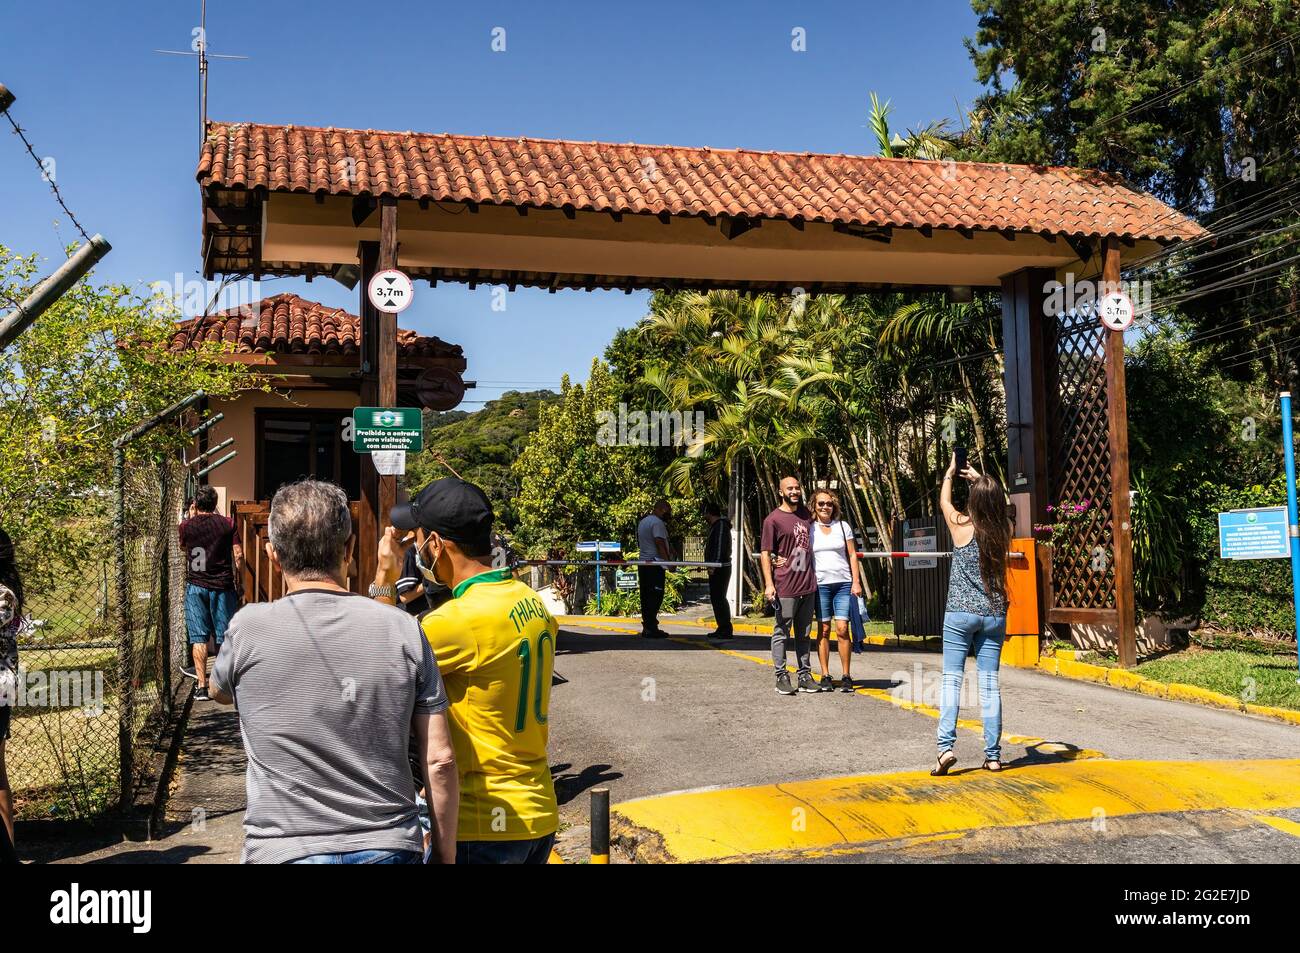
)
(547, 213)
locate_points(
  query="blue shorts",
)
(833, 600)
(208, 612)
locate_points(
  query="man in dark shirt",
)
(717, 549)
(790, 582)
(214, 567)
(416, 594)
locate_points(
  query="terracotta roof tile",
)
(288, 324)
(550, 173)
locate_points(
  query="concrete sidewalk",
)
(205, 812)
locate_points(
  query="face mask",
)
(425, 571)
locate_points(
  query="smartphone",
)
(960, 454)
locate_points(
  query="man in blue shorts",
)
(214, 567)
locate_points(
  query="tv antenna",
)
(199, 48)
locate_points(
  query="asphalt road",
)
(648, 718)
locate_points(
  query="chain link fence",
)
(101, 649)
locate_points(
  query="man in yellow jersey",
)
(495, 646)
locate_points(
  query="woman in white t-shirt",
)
(835, 557)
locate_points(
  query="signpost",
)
(387, 428)
(390, 290)
(598, 546)
(1293, 524)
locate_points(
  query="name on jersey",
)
(526, 610)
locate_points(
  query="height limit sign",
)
(390, 291)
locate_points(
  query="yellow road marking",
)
(1056, 749)
(1283, 824)
(835, 812)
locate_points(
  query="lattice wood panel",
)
(1083, 574)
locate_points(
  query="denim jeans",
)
(364, 857)
(963, 634)
(535, 851)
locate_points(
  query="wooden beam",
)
(1117, 426)
(387, 361)
(368, 511)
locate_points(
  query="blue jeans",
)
(208, 612)
(364, 857)
(535, 851)
(964, 634)
(833, 600)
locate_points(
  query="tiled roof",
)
(288, 324)
(599, 176)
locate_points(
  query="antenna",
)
(200, 49)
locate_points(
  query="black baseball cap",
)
(452, 508)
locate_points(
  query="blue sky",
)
(121, 121)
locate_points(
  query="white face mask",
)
(425, 570)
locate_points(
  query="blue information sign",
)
(1254, 534)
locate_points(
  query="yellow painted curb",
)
(1282, 714)
(1123, 678)
(1177, 691)
(1283, 824)
(1202, 696)
(1081, 670)
(805, 816)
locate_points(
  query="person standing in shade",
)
(790, 583)
(11, 621)
(652, 540)
(214, 568)
(330, 686)
(416, 594)
(717, 549)
(836, 556)
(975, 619)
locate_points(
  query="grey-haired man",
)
(330, 686)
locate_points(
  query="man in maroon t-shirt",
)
(790, 582)
(214, 565)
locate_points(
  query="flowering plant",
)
(1065, 516)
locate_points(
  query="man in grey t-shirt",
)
(652, 540)
(330, 686)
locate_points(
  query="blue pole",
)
(599, 609)
(1293, 523)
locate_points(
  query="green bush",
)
(1251, 596)
(627, 602)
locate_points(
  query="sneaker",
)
(807, 683)
(201, 694)
(783, 686)
(846, 684)
(189, 671)
(827, 684)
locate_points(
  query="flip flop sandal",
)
(943, 764)
(993, 764)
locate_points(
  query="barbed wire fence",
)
(101, 650)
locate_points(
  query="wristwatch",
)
(382, 592)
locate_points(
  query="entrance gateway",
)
(294, 200)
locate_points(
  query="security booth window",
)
(308, 443)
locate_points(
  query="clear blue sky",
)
(121, 121)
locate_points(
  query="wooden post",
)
(368, 516)
(1121, 518)
(387, 349)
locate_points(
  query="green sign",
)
(387, 428)
(625, 578)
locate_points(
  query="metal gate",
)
(920, 592)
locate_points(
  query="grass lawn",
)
(1271, 678)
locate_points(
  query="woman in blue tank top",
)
(975, 618)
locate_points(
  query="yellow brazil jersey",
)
(495, 645)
